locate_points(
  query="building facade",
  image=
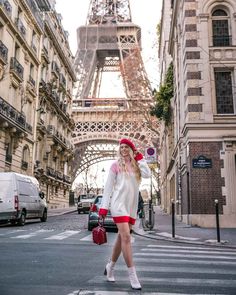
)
(36, 82)
(202, 167)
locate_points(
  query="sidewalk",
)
(186, 233)
(61, 211)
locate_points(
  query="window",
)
(224, 92)
(25, 158)
(220, 28)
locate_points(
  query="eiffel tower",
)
(110, 43)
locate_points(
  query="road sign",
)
(151, 154)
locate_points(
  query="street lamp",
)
(103, 174)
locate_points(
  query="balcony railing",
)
(6, 6)
(55, 68)
(17, 68)
(3, 52)
(20, 27)
(222, 41)
(35, 12)
(9, 112)
(24, 165)
(8, 158)
(32, 81)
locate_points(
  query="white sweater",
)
(121, 192)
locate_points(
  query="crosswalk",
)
(43, 234)
(175, 269)
(51, 235)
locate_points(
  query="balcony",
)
(62, 81)
(51, 172)
(36, 13)
(45, 55)
(55, 69)
(6, 7)
(21, 28)
(8, 158)
(24, 165)
(222, 41)
(16, 69)
(3, 53)
(10, 114)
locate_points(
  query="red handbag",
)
(99, 234)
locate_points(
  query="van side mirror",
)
(41, 195)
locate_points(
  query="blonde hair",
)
(134, 165)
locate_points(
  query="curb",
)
(181, 241)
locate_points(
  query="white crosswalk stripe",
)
(188, 269)
(64, 235)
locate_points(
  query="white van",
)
(20, 198)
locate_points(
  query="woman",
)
(121, 194)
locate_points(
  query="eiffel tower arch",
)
(110, 43)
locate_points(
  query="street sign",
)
(151, 155)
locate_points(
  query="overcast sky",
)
(145, 13)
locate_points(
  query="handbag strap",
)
(101, 221)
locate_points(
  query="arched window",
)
(220, 28)
(25, 157)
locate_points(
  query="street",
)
(59, 258)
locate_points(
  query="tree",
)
(162, 108)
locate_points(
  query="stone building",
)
(202, 164)
(36, 82)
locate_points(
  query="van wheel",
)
(45, 216)
(21, 220)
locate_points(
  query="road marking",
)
(33, 234)
(187, 261)
(190, 247)
(63, 235)
(189, 251)
(184, 255)
(90, 238)
(86, 292)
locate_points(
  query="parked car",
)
(84, 202)
(20, 198)
(93, 216)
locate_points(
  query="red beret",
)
(129, 143)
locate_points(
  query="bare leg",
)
(116, 249)
(125, 242)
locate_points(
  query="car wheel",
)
(21, 220)
(45, 216)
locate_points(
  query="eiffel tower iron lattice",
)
(110, 42)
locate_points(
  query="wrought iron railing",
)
(6, 6)
(24, 165)
(17, 67)
(3, 52)
(20, 27)
(9, 112)
(8, 158)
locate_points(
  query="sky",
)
(145, 13)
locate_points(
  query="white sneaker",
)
(109, 271)
(134, 279)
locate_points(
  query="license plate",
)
(109, 219)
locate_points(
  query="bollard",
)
(217, 220)
(173, 217)
(150, 212)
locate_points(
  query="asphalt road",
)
(59, 258)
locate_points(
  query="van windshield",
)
(5, 186)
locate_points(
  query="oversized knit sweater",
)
(121, 192)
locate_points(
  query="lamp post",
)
(103, 172)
